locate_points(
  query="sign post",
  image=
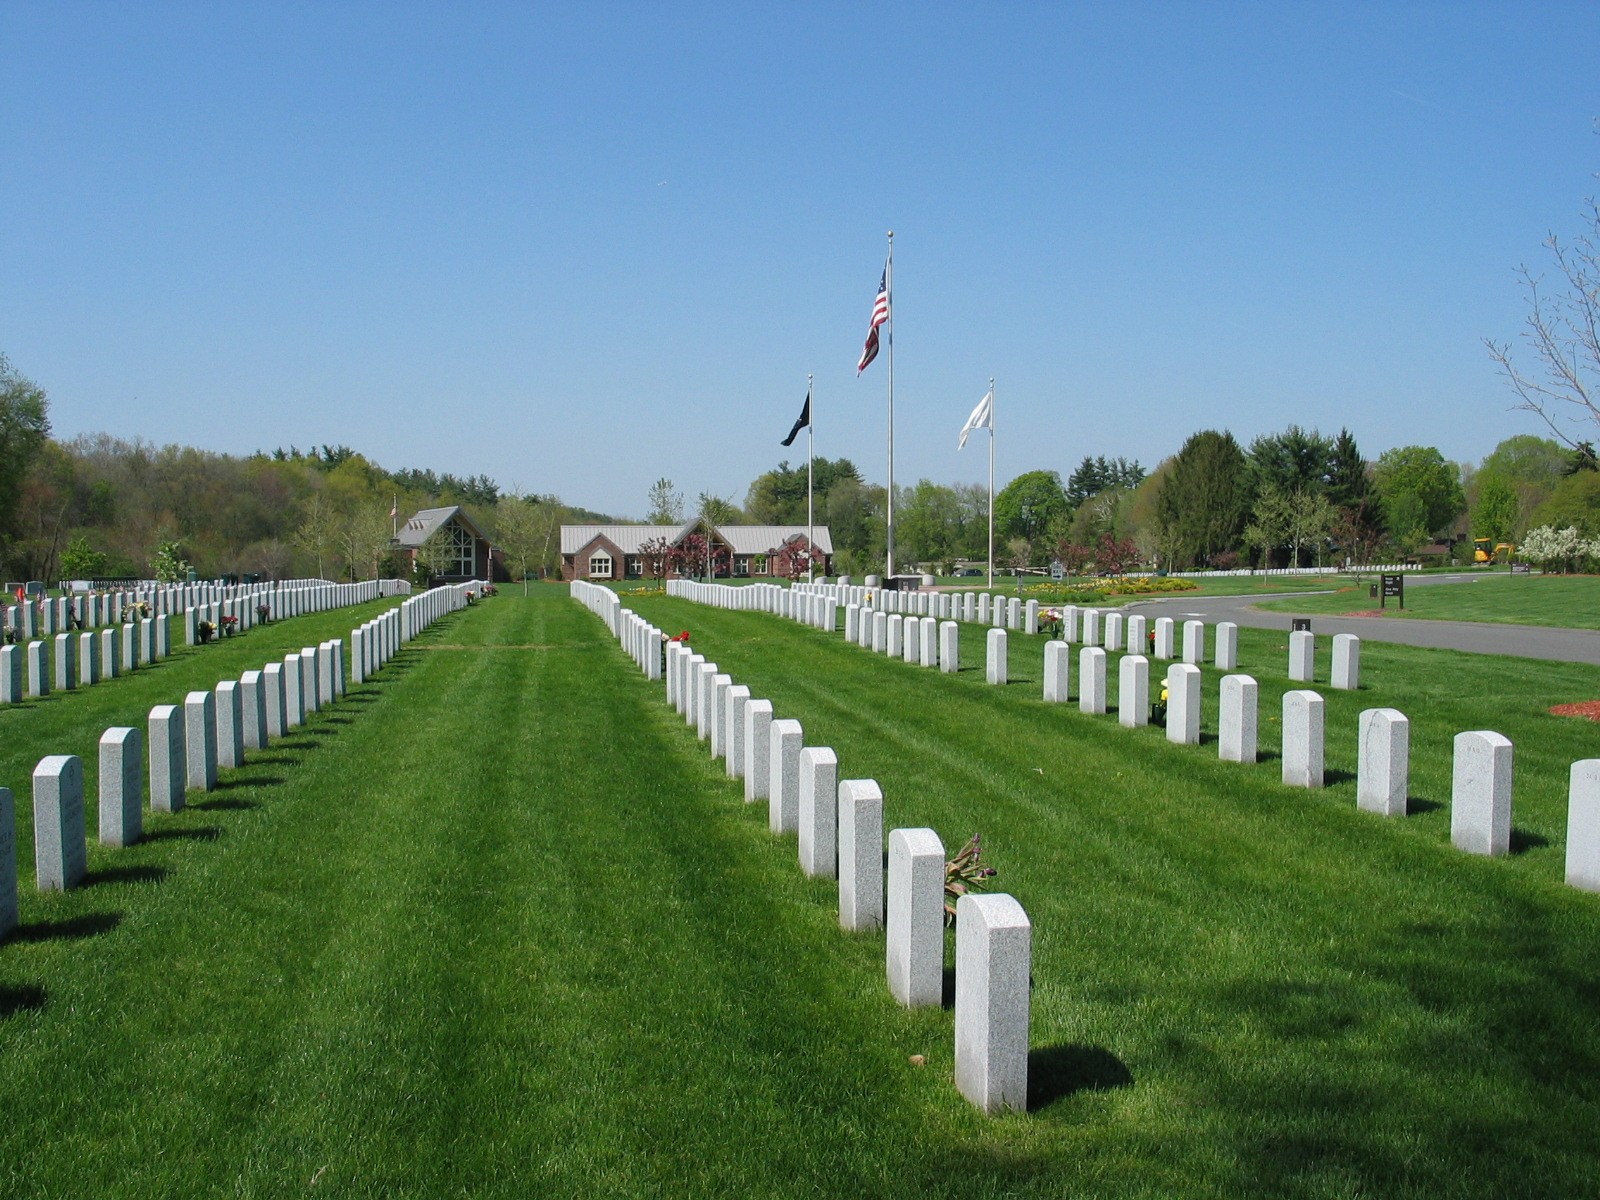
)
(1393, 585)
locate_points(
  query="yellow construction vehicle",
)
(1502, 551)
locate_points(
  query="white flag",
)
(982, 418)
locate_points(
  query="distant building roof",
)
(741, 539)
(421, 526)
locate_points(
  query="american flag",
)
(880, 314)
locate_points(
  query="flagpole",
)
(888, 285)
(991, 482)
(811, 454)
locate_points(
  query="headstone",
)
(1303, 744)
(895, 632)
(200, 738)
(1133, 691)
(860, 855)
(733, 751)
(1346, 662)
(757, 750)
(721, 685)
(929, 656)
(949, 648)
(326, 685)
(1113, 639)
(880, 631)
(914, 922)
(783, 776)
(229, 724)
(983, 608)
(88, 659)
(110, 653)
(310, 686)
(8, 863)
(11, 679)
(1383, 762)
(998, 658)
(1057, 671)
(1163, 646)
(1480, 794)
(994, 968)
(1227, 647)
(273, 706)
(60, 858)
(1236, 719)
(121, 786)
(169, 766)
(1091, 626)
(1302, 655)
(1030, 617)
(1137, 640)
(852, 622)
(66, 662)
(818, 812)
(705, 700)
(911, 639)
(1583, 827)
(1183, 704)
(294, 693)
(253, 710)
(1092, 680)
(1013, 613)
(38, 672)
(1194, 642)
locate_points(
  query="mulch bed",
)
(1586, 708)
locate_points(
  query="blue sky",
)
(580, 247)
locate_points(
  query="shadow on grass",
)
(1056, 1072)
(72, 929)
(228, 785)
(1523, 839)
(1416, 805)
(337, 721)
(20, 997)
(224, 804)
(1334, 775)
(204, 833)
(125, 875)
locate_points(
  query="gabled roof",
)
(741, 539)
(422, 526)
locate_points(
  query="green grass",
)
(496, 926)
(1567, 601)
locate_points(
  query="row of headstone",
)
(810, 604)
(1481, 784)
(839, 830)
(417, 613)
(187, 744)
(51, 615)
(31, 670)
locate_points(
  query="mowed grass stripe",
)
(494, 923)
(1308, 998)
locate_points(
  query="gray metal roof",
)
(421, 526)
(742, 539)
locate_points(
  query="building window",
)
(463, 549)
(741, 566)
(600, 566)
(635, 568)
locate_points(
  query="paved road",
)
(1479, 637)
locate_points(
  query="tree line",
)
(102, 507)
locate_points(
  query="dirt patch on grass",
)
(1585, 708)
(1366, 612)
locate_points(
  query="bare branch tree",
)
(1563, 332)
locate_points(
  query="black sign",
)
(1393, 585)
(1300, 624)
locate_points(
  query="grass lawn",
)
(496, 925)
(1568, 601)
